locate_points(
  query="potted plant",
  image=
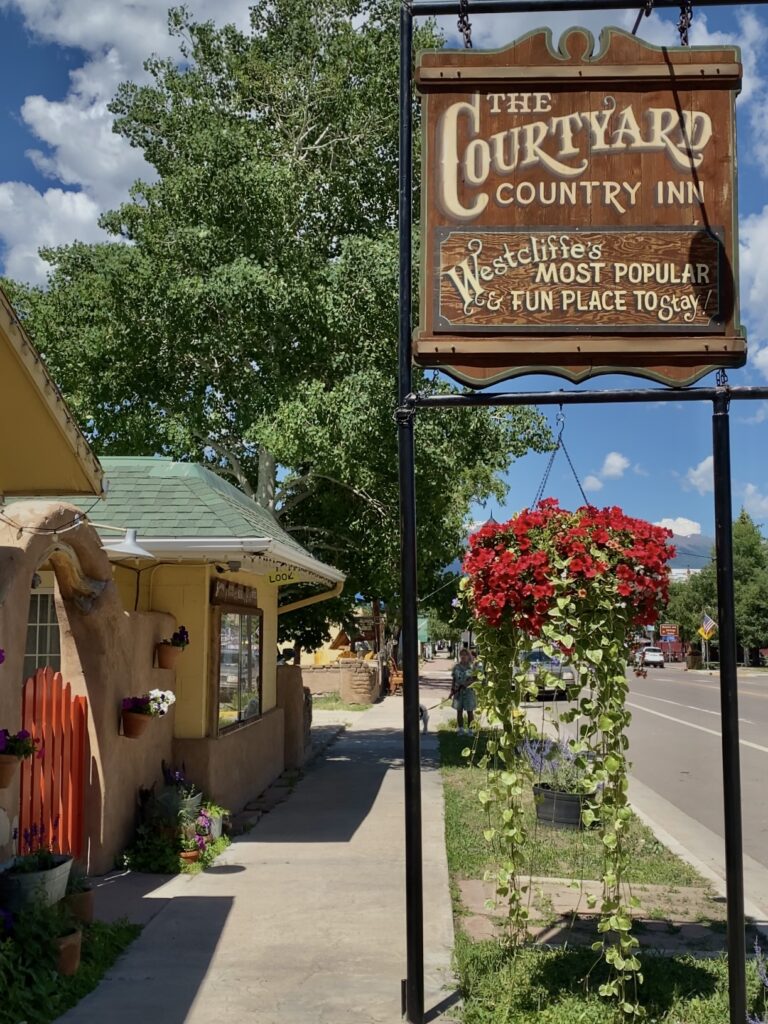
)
(80, 896)
(215, 815)
(138, 711)
(190, 849)
(179, 796)
(169, 650)
(14, 748)
(69, 939)
(563, 785)
(38, 873)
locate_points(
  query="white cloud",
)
(593, 483)
(614, 466)
(700, 477)
(681, 526)
(638, 470)
(755, 503)
(759, 416)
(29, 219)
(77, 147)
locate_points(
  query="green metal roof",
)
(162, 498)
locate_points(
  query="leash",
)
(440, 704)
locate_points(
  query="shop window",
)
(239, 682)
(43, 640)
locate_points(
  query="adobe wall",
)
(234, 768)
(106, 655)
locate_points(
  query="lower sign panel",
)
(652, 280)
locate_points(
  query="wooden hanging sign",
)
(579, 212)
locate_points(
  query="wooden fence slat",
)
(53, 787)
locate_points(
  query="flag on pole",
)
(708, 626)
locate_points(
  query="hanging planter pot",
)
(9, 765)
(190, 856)
(134, 724)
(167, 655)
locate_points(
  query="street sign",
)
(669, 631)
(578, 211)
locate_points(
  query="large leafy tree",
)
(691, 597)
(246, 315)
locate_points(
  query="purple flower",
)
(3, 739)
(2, 655)
(23, 734)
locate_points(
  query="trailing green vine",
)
(576, 586)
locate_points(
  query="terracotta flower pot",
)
(80, 905)
(134, 724)
(9, 765)
(190, 856)
(68, 956)
(167, 655)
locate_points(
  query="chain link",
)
(686, 18)
(465, 28)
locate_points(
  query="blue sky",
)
(60, 166)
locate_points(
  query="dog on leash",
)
(424, 717)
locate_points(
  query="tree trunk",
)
(267, 481)
(297, 654)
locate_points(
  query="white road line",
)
(690, 707)
(692, 725)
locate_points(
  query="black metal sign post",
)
(409, 403)
(413, 988)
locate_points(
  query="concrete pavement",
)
(303, 918)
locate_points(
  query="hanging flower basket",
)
(137, 712)
(167, 655)
(134, 724)
(575, 586)
(14, 748)
(168, 651)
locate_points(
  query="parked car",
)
(652, 657)
(541, 667)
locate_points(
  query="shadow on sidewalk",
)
(158, 979)
(336, 796)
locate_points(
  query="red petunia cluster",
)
(517, 569)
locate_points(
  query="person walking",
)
(464, 699)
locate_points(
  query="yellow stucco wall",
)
(184, 592)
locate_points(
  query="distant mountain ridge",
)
(692, 552)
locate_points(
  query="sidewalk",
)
(303, 918)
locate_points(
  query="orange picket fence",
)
(53, 782)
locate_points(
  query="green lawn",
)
(560, 987)
(537, 985)
(550, 852)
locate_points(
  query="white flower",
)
(161, 700)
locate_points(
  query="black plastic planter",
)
(559, 810)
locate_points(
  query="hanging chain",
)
(465, 27)
(686, 17)
(644, 12)
(559, 446)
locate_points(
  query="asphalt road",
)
(675, 746)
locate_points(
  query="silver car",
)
(541, 667)
(653, 657)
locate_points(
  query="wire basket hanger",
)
(559, 446)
